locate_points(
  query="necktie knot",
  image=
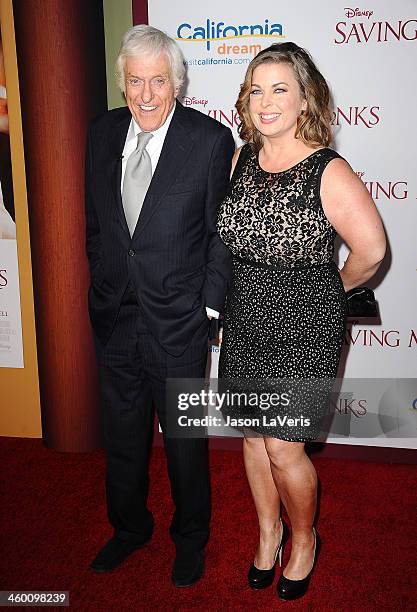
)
(143, 139)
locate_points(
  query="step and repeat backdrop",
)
(11, 347)
(19, 389)
(367, 53)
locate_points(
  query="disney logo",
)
(188, 101)
(356, 12)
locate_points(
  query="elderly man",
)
(156, 173)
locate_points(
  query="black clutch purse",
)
(361, 302)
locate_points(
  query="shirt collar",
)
(158, 134)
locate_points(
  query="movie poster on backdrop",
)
(11, 348)
(367, 54)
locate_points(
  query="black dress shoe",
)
(293, 589)
(261, 579)
(113, 554)
(188, 569)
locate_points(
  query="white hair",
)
(146, 40)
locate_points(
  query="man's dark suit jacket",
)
(175, 260)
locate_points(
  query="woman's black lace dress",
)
(285, 311)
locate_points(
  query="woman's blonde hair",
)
(313, 126)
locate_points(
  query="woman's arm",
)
(352, 212)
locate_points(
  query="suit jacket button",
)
(131, 252)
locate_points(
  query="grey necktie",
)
(138, 175)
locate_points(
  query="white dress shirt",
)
(154, 148)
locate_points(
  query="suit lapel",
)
(176, 149)
(117, 143)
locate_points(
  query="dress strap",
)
(325, 156)
(245, 152)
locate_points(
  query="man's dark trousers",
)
(133, 368)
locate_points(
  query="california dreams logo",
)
(362, 27)
(209, 31)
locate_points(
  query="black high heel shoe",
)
(261, 579)
(293, 589)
